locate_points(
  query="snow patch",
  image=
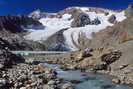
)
(87, 30)
(84, 9)
(120, 16)
(57, 23)
(53, 25)
(38, 35)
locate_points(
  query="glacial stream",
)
(87, 80)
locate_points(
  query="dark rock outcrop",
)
(12, 32)
(112, 19)
(80, 20)
(102, 66)
(19, 43)
(87, 53)
(4, 44)
(56, 42)
(7, 59)
(111, 57)
(14, 23)
(96, 21)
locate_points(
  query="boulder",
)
(102, 66)
(115, 80)
(87, 53)
(67, 86)
(51, 82)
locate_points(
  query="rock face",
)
(56, 42)
(7, 59)
(95, 22)
(129, 10)
(111, 57)
(15, 23)
(12, 32)
(112, 19)
(81, 19)
(15, 42)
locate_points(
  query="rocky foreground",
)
(25, 76)
(15, 73)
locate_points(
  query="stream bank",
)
(85, 80)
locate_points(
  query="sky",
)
(14, 7)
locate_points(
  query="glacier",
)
(55, 24)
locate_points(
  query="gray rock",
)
(48, 87)
(80, 20)
(111, 57)
(95, 22)
(15, 23)
(51, 82)
(117, 81)
(7, 59)
(1, 66)
(18, 84)
(102, 66)
(67, 86)
(112, 19)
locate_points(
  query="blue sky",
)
(14, 7)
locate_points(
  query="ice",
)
(53, 25)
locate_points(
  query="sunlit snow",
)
(53, 25)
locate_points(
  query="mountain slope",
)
(17, 23)
(13, 28)
(79, 20)
(108, 51)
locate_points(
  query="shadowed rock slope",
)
(15, 23)
(12, 32)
